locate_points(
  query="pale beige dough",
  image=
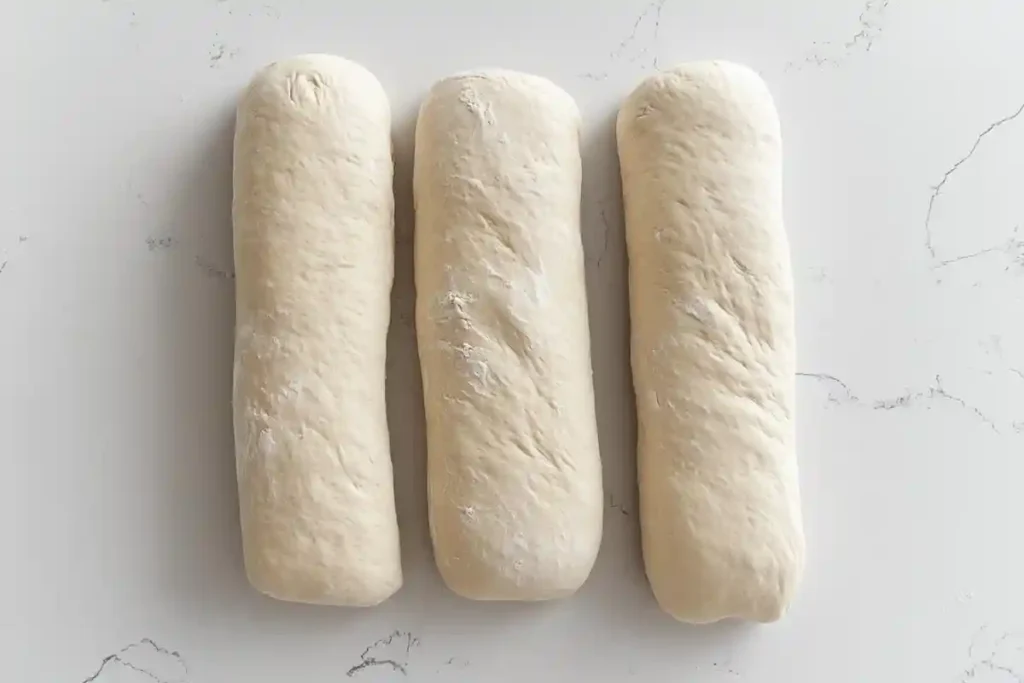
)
(711, 300)
(313, 235)
(514, 472)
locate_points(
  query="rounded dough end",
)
(322, 80)
(311, 590)
(544, 92)
(715, 88)
(766, 606)
(479, 582)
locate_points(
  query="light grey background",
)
(120, 548)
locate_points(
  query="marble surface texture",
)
(904, 127)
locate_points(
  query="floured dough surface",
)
(514, 473)
(712, 343)
(313, 237)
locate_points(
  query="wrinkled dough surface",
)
(514, 474)
(313, 237)
(712, 343)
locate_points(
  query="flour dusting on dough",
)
(698, 310)
(266, 443)
(538, 287)
(451, 306)
(482, 109)
(471, 364)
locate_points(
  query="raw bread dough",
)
(514, 472)
(313, 233)
(711, 300)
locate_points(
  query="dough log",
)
(713, 348)
(514, 472)
(313, 237)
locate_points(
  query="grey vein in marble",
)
(937, 189)
(936, 392)
(368, 659)
(651, 15)
(869, 28)
(121, 658)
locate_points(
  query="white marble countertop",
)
(904, 173)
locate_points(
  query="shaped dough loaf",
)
(313, 231)
(712, 343)
(514, 472)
